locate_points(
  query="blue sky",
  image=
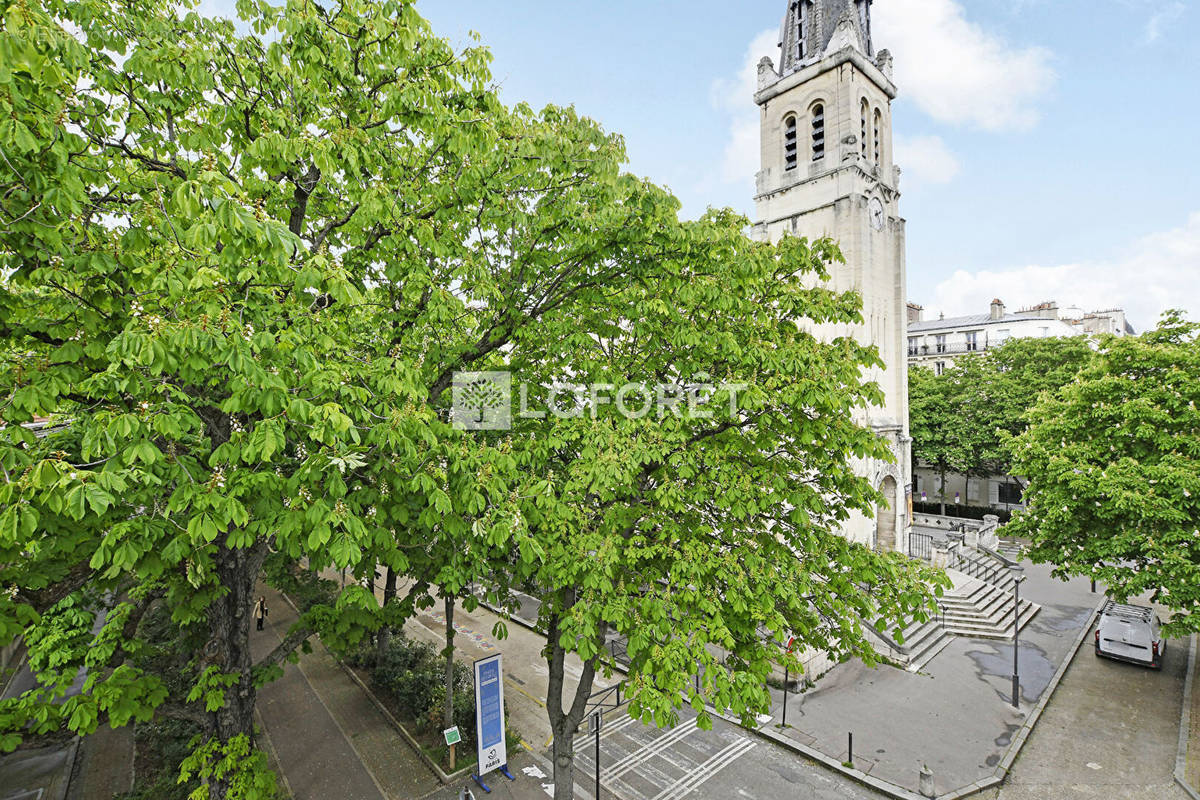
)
(1049, 147)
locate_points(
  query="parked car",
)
(1130, 633)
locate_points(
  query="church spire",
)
(809, 27)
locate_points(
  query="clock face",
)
(875, 212)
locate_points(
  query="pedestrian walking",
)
(260, 612)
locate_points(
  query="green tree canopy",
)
(963, 420)
(1113, 460)
(193, 223)
(681, 530)
(241, 265)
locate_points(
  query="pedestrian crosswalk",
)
(643, 763)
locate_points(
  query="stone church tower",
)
(827, 170)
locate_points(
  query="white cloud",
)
(1160, 271)
(735, 96)
(956, 71)
(1159, 20)
(925, 159)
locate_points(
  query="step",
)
(1011, 548)
(985, 606)
(919, 660)
(984, 631)
(1000, 578)
(921, 636)
(997, 614)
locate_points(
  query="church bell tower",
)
(827, 170)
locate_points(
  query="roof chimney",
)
(997, 309)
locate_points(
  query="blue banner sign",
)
(489, 714)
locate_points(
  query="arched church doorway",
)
(885, 517)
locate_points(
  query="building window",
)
(972, 341)
(940, 342)
(1002, 335)
(866, 111)
(789, 142)
(1010, 493)
(913, 347)
(875, 136)
(818, 132)
(939, 367)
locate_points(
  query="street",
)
(1110, 732)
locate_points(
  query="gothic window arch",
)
(865, 114)
(875, 135)
(818, 131)
(791, 144)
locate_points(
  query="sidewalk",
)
(1111, 731)
(43, 773)
(526, 676)
(956, 716)
(1190, 739)
(328, 738)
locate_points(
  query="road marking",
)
(689, 783)
(509, 680)
(649, 751)
(608, 729)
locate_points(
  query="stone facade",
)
(937, 343)
(827, 170)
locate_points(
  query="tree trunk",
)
(228, 647)
(448, 654)
(564, 722)
(942, 490)
(564, 763)
(389, 595)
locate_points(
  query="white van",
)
(1130, 633)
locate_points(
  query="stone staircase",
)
(983, 606)
(1011, 548)
(984, 610)
(979, 606)
(923, 641)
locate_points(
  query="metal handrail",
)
(597, 700)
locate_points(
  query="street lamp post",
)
(596, 720)
(1016, 680)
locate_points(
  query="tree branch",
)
(297, 636)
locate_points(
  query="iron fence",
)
(920, 545)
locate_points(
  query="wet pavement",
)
(956, 716)
(1110, 732)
